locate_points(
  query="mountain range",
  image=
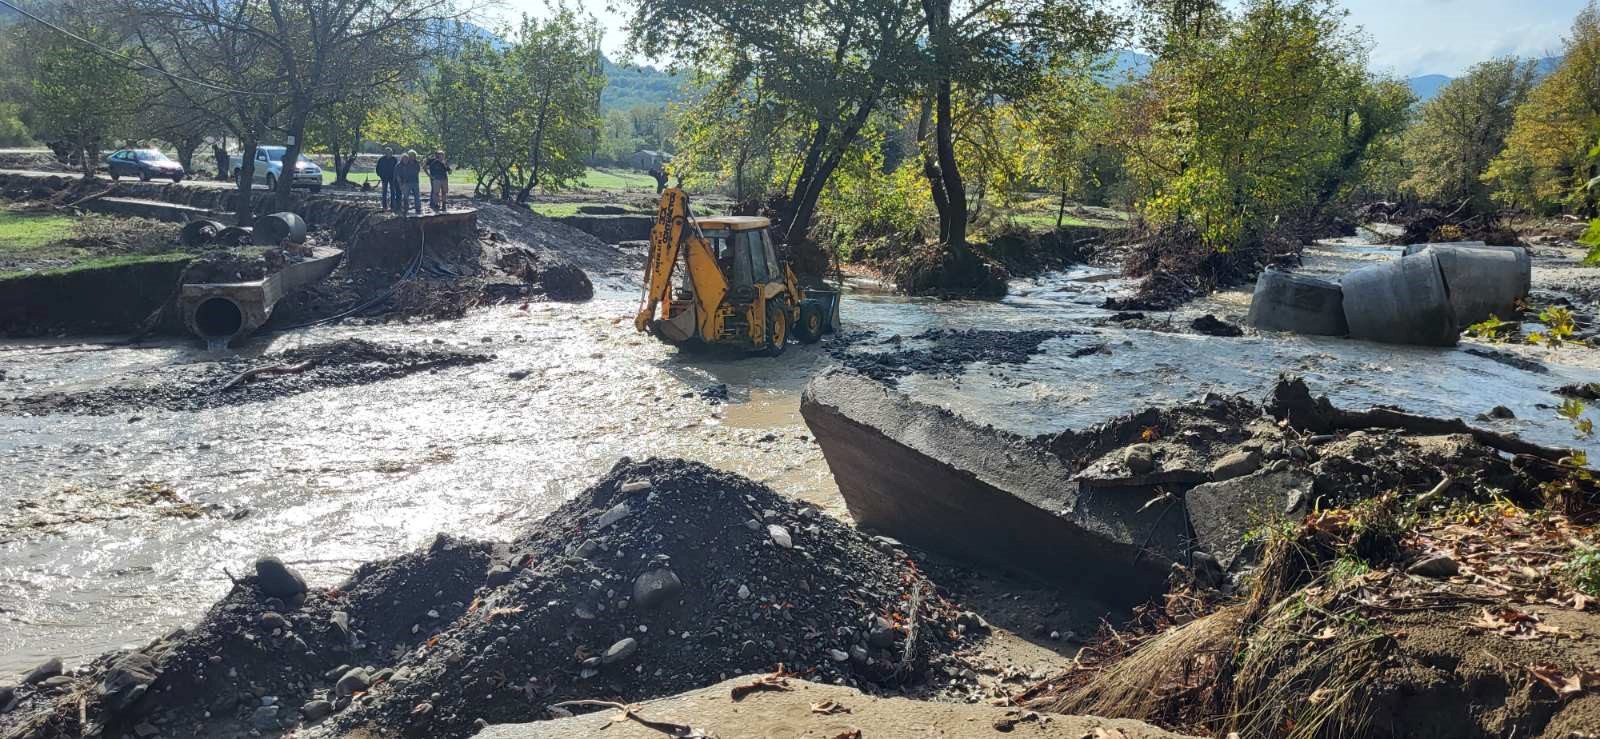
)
(1427, 86)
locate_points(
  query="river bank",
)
(343, 474)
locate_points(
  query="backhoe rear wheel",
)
(810, 327)
(777, 328)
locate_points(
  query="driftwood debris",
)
(272, 370)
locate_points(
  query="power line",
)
(108, 52)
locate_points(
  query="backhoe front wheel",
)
(810, 327)
(777, 328)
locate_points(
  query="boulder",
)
(51, 668)
(127, 681)
(277, 579)
(655, 588)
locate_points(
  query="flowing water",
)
(115, 530)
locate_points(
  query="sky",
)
(1410, 37)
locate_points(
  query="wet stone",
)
(1237, 464)
(498, 575)
(126, 682)
(277, 579)
(354, 681)
(620, 651)
(49, 669)
(655, 587)
(316, 710)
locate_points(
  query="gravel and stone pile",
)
(664, 576)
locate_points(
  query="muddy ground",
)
(259, 379)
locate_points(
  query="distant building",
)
(647, 159)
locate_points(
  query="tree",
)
(829, 64)
(338, 129)
(554, 63)
(78, 96)
(1548, 160)
(996, 48)
(269, 65)
(1265, 117)
(1461, 131)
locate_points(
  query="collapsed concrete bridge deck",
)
(930, 478)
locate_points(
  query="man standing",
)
(408, 173)
(391, 192)
(438, 181)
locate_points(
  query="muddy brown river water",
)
(117, 529)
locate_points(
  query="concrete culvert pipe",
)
(200, 233)
(218, 318)
(1304, 305)
(1400, 302)
(276, 228)
(1482, 280)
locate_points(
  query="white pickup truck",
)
(269, 168)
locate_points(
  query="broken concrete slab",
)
(799, 708)
(935, 480)
(1222, 513)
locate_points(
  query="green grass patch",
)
(28, 231)
(617, 179)
(555, 210)
(122, 260)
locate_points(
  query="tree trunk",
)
(955, 238)
(87, 157)
(291, 156)
(186, 151)
(247, 171)
(1061, 211)
(538, 145)
(219, 152)
(790, 218)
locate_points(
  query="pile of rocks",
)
(664, 576)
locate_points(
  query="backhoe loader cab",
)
(733, 289)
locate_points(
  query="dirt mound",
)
(250, 380)
(948, 352)
(663, 577)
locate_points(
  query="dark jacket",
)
(437, 169)
(407, 171)
(386, 166)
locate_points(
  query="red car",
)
(146, 164)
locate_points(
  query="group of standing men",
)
(402, 176)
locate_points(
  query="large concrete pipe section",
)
(1482, 280)
(1400, 302)
(222, 313)
(1304, 305)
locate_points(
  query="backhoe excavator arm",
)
(672, 234)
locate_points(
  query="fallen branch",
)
(681, 731)
(909, 654)
(274, 370)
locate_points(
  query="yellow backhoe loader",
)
(733, 291)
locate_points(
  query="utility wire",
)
(108, 52)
